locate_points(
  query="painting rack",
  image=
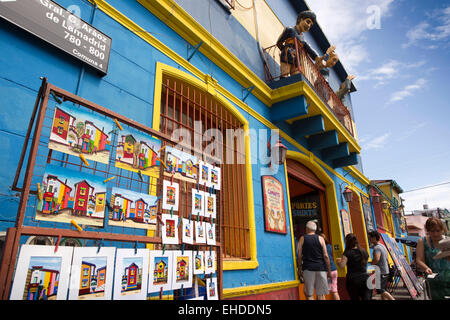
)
(36, 155)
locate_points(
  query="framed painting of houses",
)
(214, 177)
(169, 230)
(182, 269)
(187, 231)
(203, 173)
(210, 233)
(198, 203)
(132, 209)
(66, 195)
(171, 195)
(211, 288)
(138, 152)
(182, 165)
(91, 277)
(41, 273)
(210, 261)
(160, 271)
(199, 262)
(131, 274)
(210, 205)
(78, 131)
(200, 232)
(274, 212)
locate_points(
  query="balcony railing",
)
(311, 73)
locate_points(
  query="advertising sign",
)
(274, 213)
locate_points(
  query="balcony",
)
(309, 73)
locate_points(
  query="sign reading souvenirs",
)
(59, 27)
(274, 213)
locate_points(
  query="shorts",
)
(332, 286)
(315, 280)
(383, 283)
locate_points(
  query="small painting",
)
(210, 262)
(274, 213)
(92, 273)
(183, 165)
(199, 262)
(160, 274)
(169, 230)
(67, 195)
(188, 231)
(210, 233)
(210, 205)
(131, 274)
(214, 177)
(132, 209)
(182, 269)
(170, 196)
(200, 232)
(78, 131)
(211, 288)
(40, 273)
(198, 200)
(203, 174)
(138, 152)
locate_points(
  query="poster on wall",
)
(67, 195)
(346, 224)
(365, 203)
(160, 271)
(132, 209)
(91, 277)
(274, 212)
(41, 273)
(78, 131)
(138, 152)
(181, 164)
(131, 274)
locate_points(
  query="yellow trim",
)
(209, 85)
(258, 289)
(331, 199)
(290, 221)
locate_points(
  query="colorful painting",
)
(182, 269)
(40, 273)
(210, 205)
(67, 195)
(214, 177)
(188, 231)
(137, 151)
(210, 234)
(171, 195)
(131, 274)
(203, 174)
(200, 231)
(274, 213)
(211, 288)
(183, 165)
(198, 200)
(169, 230)
(199, 262)
(210, 262)
(132, 209)
(160, 274)
(78, 131)
(92, 273)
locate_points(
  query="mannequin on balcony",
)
(286, 43)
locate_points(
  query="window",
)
(184, 106)
(82, 191)
(61, 120)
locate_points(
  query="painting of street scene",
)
(92, 278)
(183, 165)
(42, 278)
(131, 276)
(66, 195)
(132, 209)
(137, 151)
(78, 131)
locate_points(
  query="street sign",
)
(59, 27)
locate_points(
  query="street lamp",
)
(279, 150)
(348, 195)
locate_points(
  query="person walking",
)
(355, 258)
(332, 282)
(380, 259)
(313, 263)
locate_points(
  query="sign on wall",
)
(274, 213)
(59, 27)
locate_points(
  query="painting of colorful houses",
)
(42, 279)
(132, 209)
(183, 165)
(160, 270)
(183, 270)
(131, 276)
(92, 278)
(78, 131)
(137, 151)
(66, 195)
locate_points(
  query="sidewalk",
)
(400, 293)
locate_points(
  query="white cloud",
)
(435, 197)
(392, 69)
(375, 143)
(407, 91)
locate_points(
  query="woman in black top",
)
(356, 260)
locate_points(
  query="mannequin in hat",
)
(286, 44)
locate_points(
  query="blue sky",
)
(402, 108)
